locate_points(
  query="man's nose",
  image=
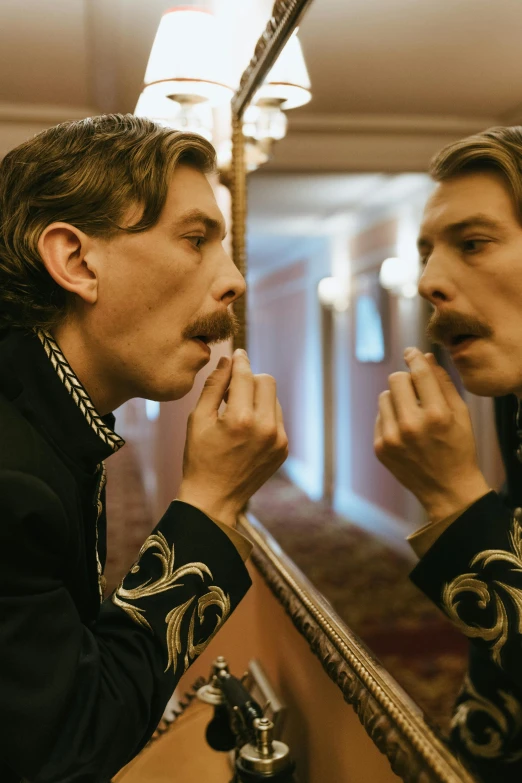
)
(232, 283)
(435, 283)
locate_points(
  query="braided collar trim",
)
(77, 392)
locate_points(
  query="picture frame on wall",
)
(371, 318)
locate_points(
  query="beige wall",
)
(323, 732)
(369, 479)
(277, 325)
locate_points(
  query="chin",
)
(486, 386)
(168, 390)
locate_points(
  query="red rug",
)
(367, 584)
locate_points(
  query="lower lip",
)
(458, 350)
(201, 344)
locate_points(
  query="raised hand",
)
(230, 455)
(423, 435)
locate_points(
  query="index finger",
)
(432, 385)
(241, 388)
(447, 386)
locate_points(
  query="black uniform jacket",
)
(474, 573)
(84, 682)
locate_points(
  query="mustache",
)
(444, 326)
(218, 327)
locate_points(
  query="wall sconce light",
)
(287, 86)
(334, 293)
(400, 276)
(188, 76)
(288, 82)
(187, 112)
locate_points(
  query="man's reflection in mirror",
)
(470, 243)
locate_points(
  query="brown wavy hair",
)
(86, 173)
(497, 149)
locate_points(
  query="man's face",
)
(471, 247)
(158, 290)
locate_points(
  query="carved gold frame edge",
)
(393, 721)
(283, 21)
(285, 18)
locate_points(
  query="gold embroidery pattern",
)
(488, 595)
(170, 580)
(506, 719)
(77, 392)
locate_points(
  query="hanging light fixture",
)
(186, 74)
(186, 57)
(186, 112)
(288, 82)
(287, 86)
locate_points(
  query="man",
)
(113, 284)
(471, 551)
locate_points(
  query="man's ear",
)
(64, 250)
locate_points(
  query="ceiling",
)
(392, 82)
(444, 58)
(76, 53)
(450, 58)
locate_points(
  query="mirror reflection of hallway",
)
(333, 508)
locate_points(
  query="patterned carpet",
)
(367, 584)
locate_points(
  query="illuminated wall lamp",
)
(334, 293)
(186, 74)
(400, 276)
(287, 86)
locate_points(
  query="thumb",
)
(214, 389)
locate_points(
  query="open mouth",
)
(203, 340)
(461, 340)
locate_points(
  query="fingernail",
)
(240, 352)
(409, 353)
(223, 362)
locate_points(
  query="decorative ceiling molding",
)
(368, 143)
(46, 114)
(388, 123)
(512, 117)
(21, 121)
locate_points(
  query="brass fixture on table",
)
(240, 726)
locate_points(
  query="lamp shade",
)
(187, 57)
(288, 83)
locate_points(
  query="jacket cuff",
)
(484, 525)
(421, 540)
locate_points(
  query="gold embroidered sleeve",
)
(132, 601)
(494, 598)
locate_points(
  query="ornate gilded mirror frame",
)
(393, 721)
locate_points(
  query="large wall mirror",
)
(343, 192)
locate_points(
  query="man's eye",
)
(196, 241)
(474, 245)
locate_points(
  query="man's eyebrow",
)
(474, 221)
(198, 216)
